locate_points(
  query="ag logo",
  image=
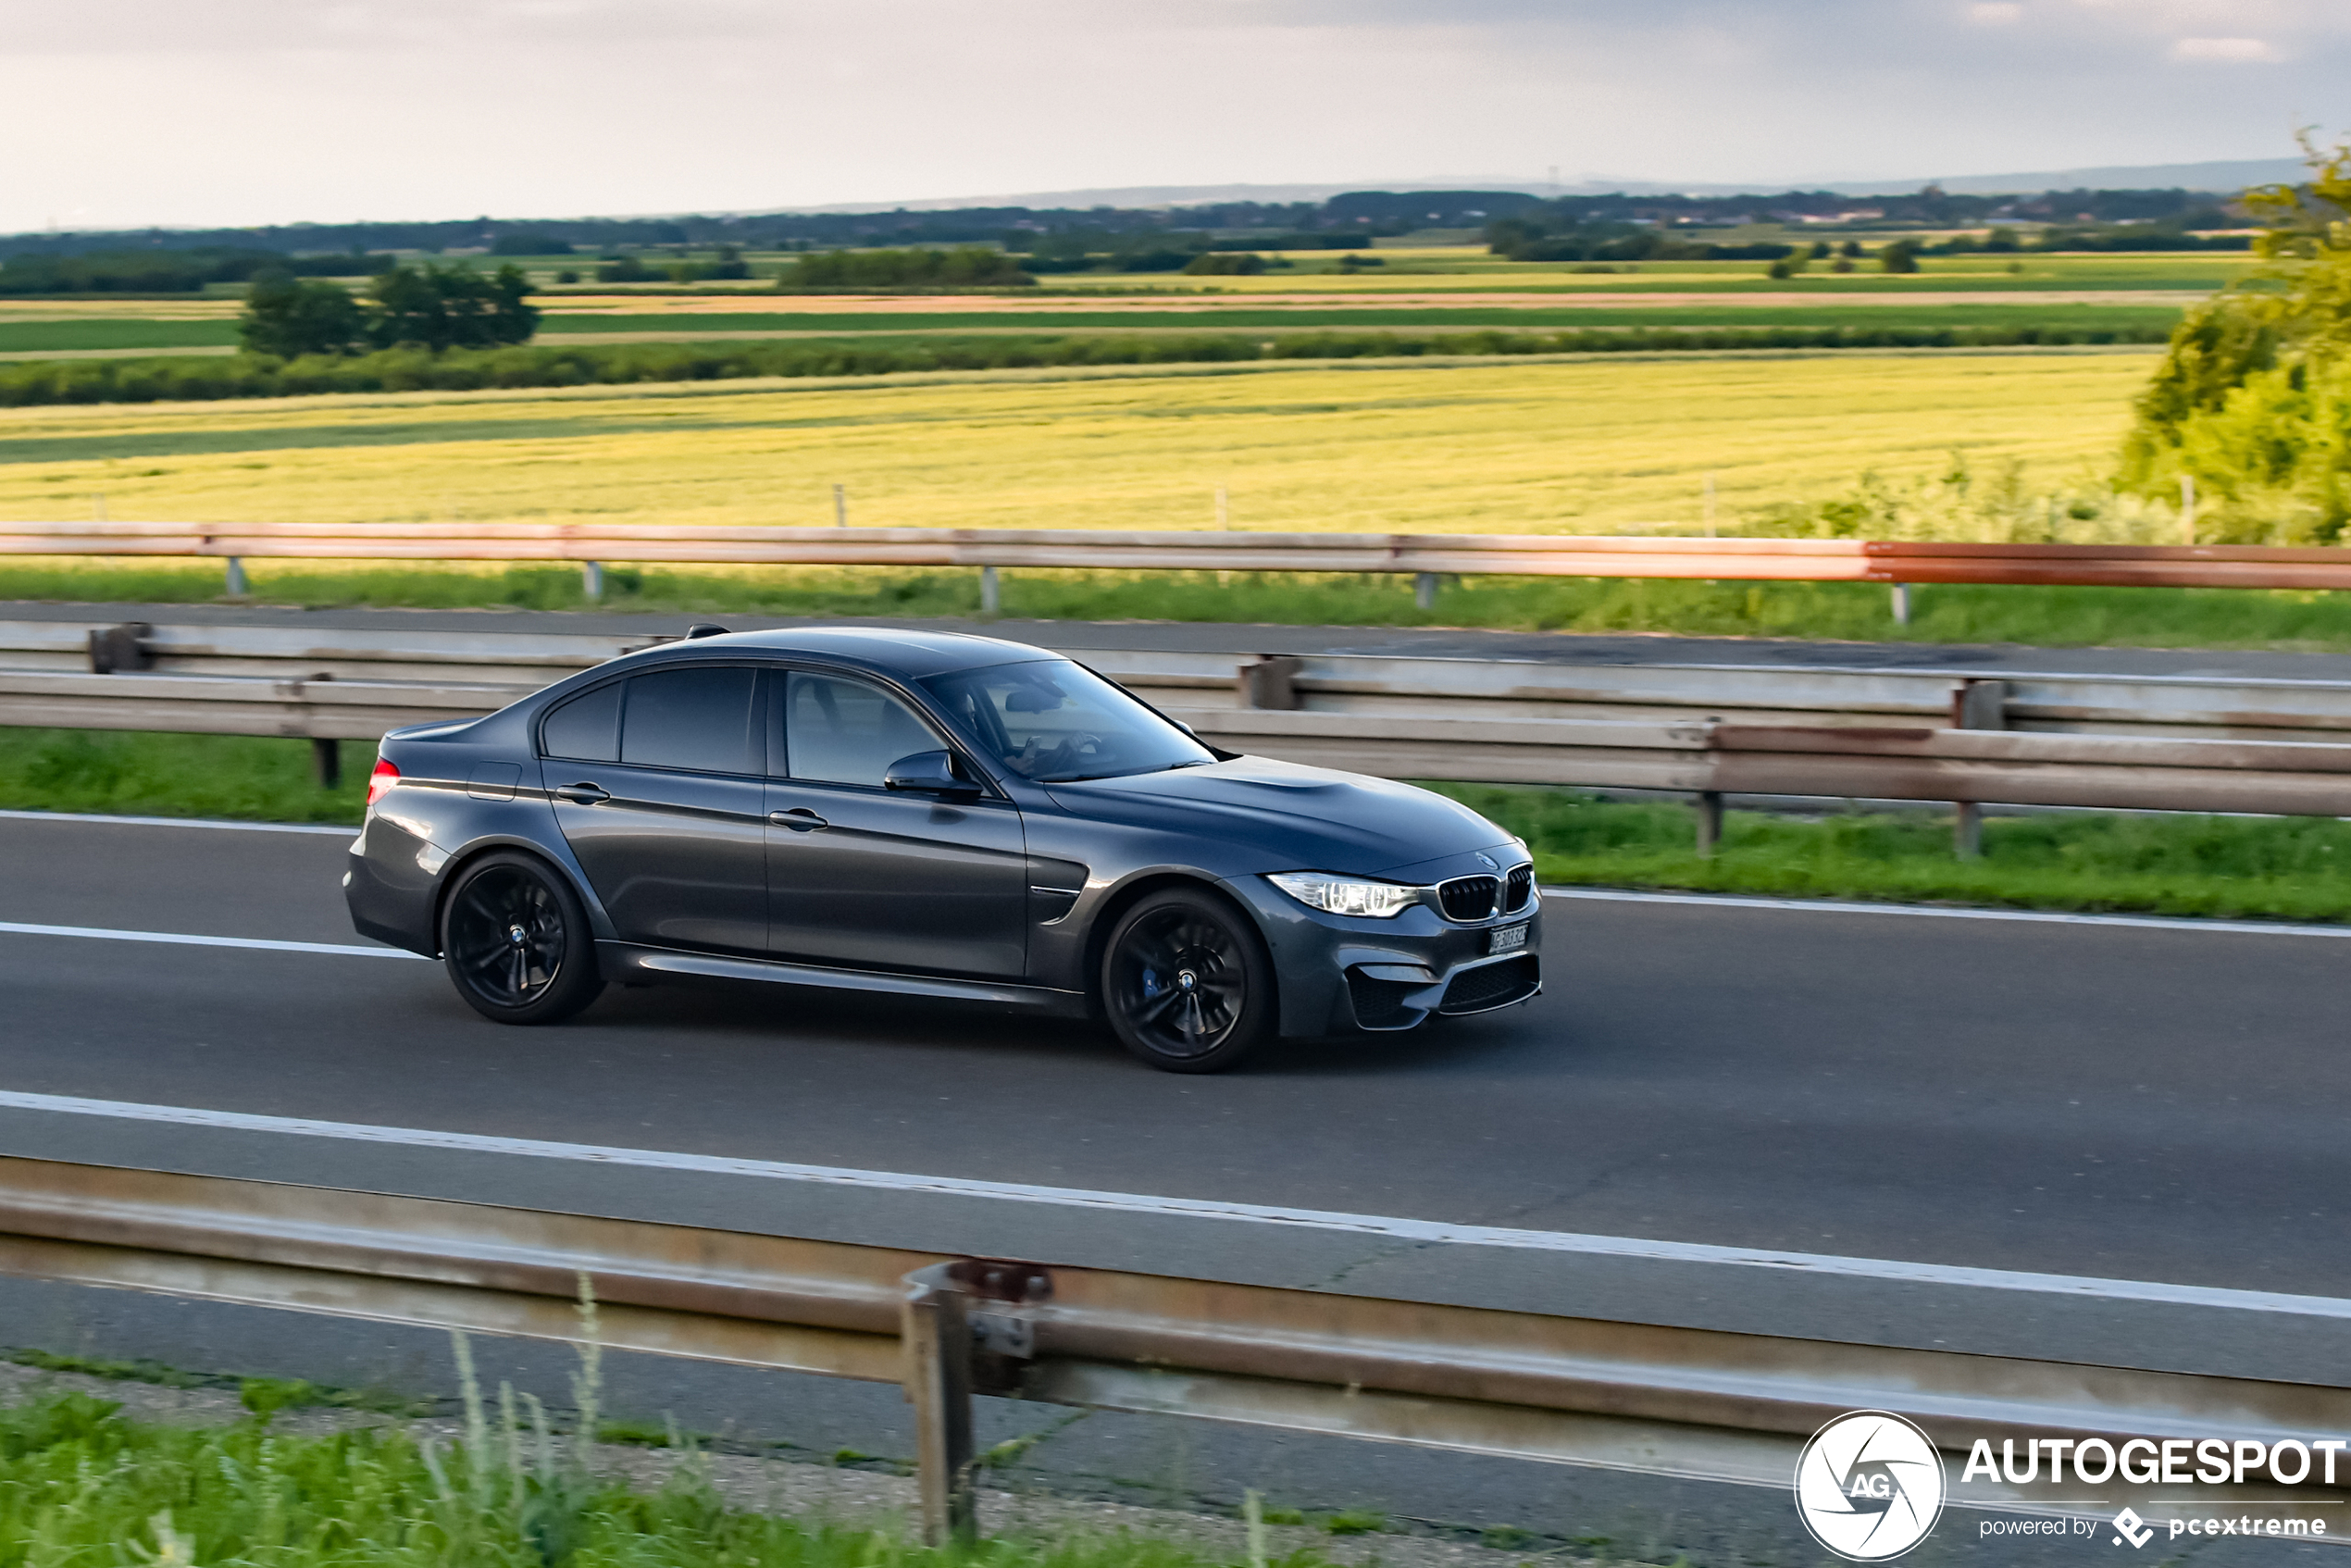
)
(1869, 1485)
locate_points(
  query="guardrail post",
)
(936, 1330)
(1268, 681)
(1976, 704)
(1424, 585)
(1710, 822)
(591, 580)
(991, 598)
(1901, 603)
(236, 587)
(326, 759)
(121, 647)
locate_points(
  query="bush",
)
(1900, 257)
(963, 267)
(1219, 264)
(624, 270)
(527, 243)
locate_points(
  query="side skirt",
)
(625, 961)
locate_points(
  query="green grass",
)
(2056, 617)
(79, 1482)
(138, 773)
(113, 332)
(2297, 869)
(2294, 868)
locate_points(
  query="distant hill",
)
(2227, 176)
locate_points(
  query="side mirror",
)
(928, 773)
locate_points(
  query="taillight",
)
(382, 779)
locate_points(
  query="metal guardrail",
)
(1693, 1403)
(1428, 556)
(2130, 742)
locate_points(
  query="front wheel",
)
(515, 937)
(1187, 984)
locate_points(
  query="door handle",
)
(582, 794)
(800, 819)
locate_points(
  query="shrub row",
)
(152, 381)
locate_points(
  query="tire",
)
(1187, 984)
(514, 940)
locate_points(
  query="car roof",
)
(913, 656)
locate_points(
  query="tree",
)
(290, 317)
(2254, 396)
(441, 307)
(1900, 257)
(529, 241)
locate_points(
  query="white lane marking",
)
(1376, 1227)
(181, 939)
(179, 822)
(2044, 916)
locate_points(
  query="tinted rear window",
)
(697, 719)
(587, 728)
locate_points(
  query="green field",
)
(1441, 289)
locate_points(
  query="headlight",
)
(1346, 895)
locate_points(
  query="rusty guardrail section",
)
(1702, 1403)
(1808, 560)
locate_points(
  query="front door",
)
(657, 786)
(863, 879)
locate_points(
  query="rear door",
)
(863, 879)
(658, 786)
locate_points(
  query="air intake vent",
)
(1379, 1004)
(1517, 887)
(1469, 898)
(1492, 984)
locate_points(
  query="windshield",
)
(1054, 722)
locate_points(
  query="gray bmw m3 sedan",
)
(930, 814)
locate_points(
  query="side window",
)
(848, 732)
(698, 717)
(586, 729)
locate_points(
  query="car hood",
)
(1298, 818)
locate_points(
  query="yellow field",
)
(1479, 446)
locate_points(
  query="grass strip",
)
(134, 773)
(81, 1481)
(246, 376)
(2294, 868)
(2291, 620)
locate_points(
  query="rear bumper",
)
(389, 894)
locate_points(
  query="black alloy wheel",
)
(1187, 984)
(515, 937)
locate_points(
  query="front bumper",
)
(1339, 974)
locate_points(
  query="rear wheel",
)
(515, 940)
(1187, 984)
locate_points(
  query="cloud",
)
(330, 109)
(2235, 51)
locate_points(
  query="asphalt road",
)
(2107, 1100)
(2088, 1100)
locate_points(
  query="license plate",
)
(1510, 939)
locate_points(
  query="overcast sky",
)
(120, 112)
